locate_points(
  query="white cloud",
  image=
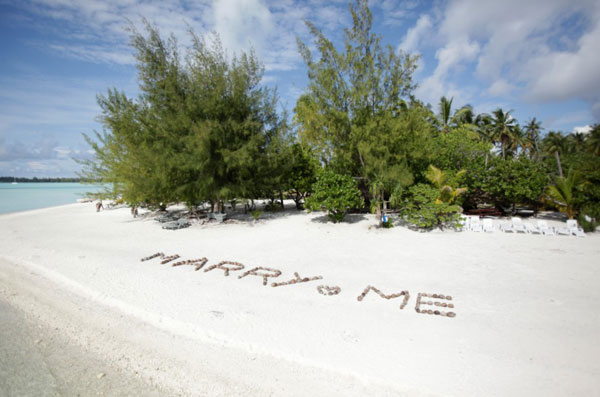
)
(242, 24)
(38, 166)
(414, 35)
(562, 75)
(449, 58)
(585, 129)
(500, 87)
(543, 51)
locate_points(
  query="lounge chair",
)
(545, 229)
(179, 224)
(488, 225)
(475, 225)
(168, 217)
(532, 228)
(574, 228)
(517, 225)
(507, 227)
(218, 216)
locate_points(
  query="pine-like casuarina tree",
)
(355, 114)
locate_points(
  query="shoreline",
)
(514, 296)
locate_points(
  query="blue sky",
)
(540, 58)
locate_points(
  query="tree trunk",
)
(281, 199)
(560, 172)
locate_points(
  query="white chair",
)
(488, 225)
(574, 228)
(532, 228)
(506, 227)
(564, 231)
(545, 229)
(475, 225)
(517, 225)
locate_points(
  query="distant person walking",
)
(99, 206)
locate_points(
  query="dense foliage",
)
(423, 209)
(357, 113)
(200, 131)
(335, 193)
(203, 129)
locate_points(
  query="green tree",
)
(506, 183)
(502, 129)
(302, 174)
(593, 140)
(203, 130)
(448, 191)
(421, 207)
(354, 113)
(562, 193)
(335, 193)
(577, 141)
(556, 143)
(533, 129)
(445, 120)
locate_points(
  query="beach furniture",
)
(545, 229)
(574, 228)
(475, 225)
(517, 225)
(488, 225)
(507, 227)
(168, 217)
(532, 228)
(218, 216)
(179, 224)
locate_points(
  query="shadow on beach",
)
(350, 218)
(237, 216)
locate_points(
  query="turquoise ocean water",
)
(29, 196)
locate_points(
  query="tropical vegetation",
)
(205, 130)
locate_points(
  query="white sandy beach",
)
(526, 318)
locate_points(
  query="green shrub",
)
(422, 209)
(336, 194)
(256, 214)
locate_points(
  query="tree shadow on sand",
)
(350, 218)
(552, 216)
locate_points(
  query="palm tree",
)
(593, 140)
(577, 141)
(533, 129)
(555, 142)
(483, 126)
(518, 140)
(464, 115)
(502, 128)
(562, 193)
(445, 119)
(440, 180)
(444, 115)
